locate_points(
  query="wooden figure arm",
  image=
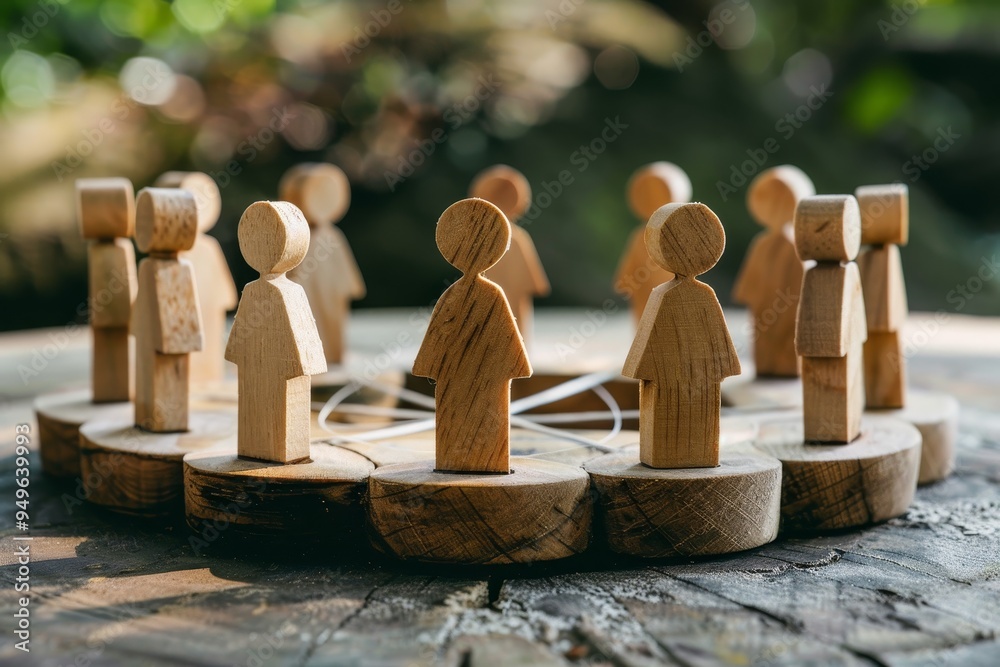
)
(750, 277)
(630, 260)
(536, 271)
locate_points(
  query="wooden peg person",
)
(650, 187)
(519, 272)
(166, 321)
(328, 273)
(885, 225)
(770, 281)
(216, 290)
(274, 341)
(496, 510)
(106, 213)
(682, 349)
(831, 330)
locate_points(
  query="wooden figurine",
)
(301, 489)
(770, 280)
(470, 504)
(519, 272)
(680, 355)
(838, 470)
(831, 329)
(216, 289)
(650, 187)
(106, 212)
(139, 462)
(329, 274)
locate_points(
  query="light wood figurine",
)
(106, 213)
(650, 187)
(770, 281)
(519, 272)
(216, 289)
(328, 273)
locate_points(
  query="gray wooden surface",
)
(921, 590)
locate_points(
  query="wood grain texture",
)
(519, 272)
(770, 280)
(828, 487)
(472, 348)
(936, 416)
(316, 500)
(682, 349)
(884, 287)
(138, 472)
(540, 511)
(828, 228)
(692, 512)
(833, 396)
(274, 342)
(650, 187)
(105, 208)
(885, 371)
(60, 416)
(885, 214)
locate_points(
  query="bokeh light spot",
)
(616, 67)
(148, 81)
(28, 79)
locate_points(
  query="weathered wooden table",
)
(922, 589)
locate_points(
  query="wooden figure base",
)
(136, 472)
(831, 487)
(316, 500)
(935, 414)
(60, 416)
(656, 513)
(541, 511)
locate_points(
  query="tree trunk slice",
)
(830, 487)
(934, 413)
(136, 472)
(691, 511)
(315, 500)
(60, 416)
(541, 511)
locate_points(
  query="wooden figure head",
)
(207, 198)
(105, 207)
(885, 214)
(166, 221)
(504, 187)
(828, 228)
(473, 234)
(685, 239)
(274, 236)
(655, 185)
(319, 189)
(773, 195)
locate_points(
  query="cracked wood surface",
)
(923, 589)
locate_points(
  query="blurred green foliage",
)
(412, 98)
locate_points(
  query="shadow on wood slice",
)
(317, 500)
(60, 416)
(657, 513)
(541, 511)
(832, 487)
(136, 472)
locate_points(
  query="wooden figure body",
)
(216, 289)
(770, 281)
(519, 272)
(682, 350)
(166, 321)
(885, 225)
(472, 347)
(328, 273)
(831, 329)
(274, 341)
(650, 187)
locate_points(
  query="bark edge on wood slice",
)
(832, 487)
(657, 513)
(541, 511)
(137, 472)
(60, 416)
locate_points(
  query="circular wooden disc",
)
(829, 487)
(318, 499)
(687, 512)
(541, 511)
(935, 414)
(137, 472)
(60, 416)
